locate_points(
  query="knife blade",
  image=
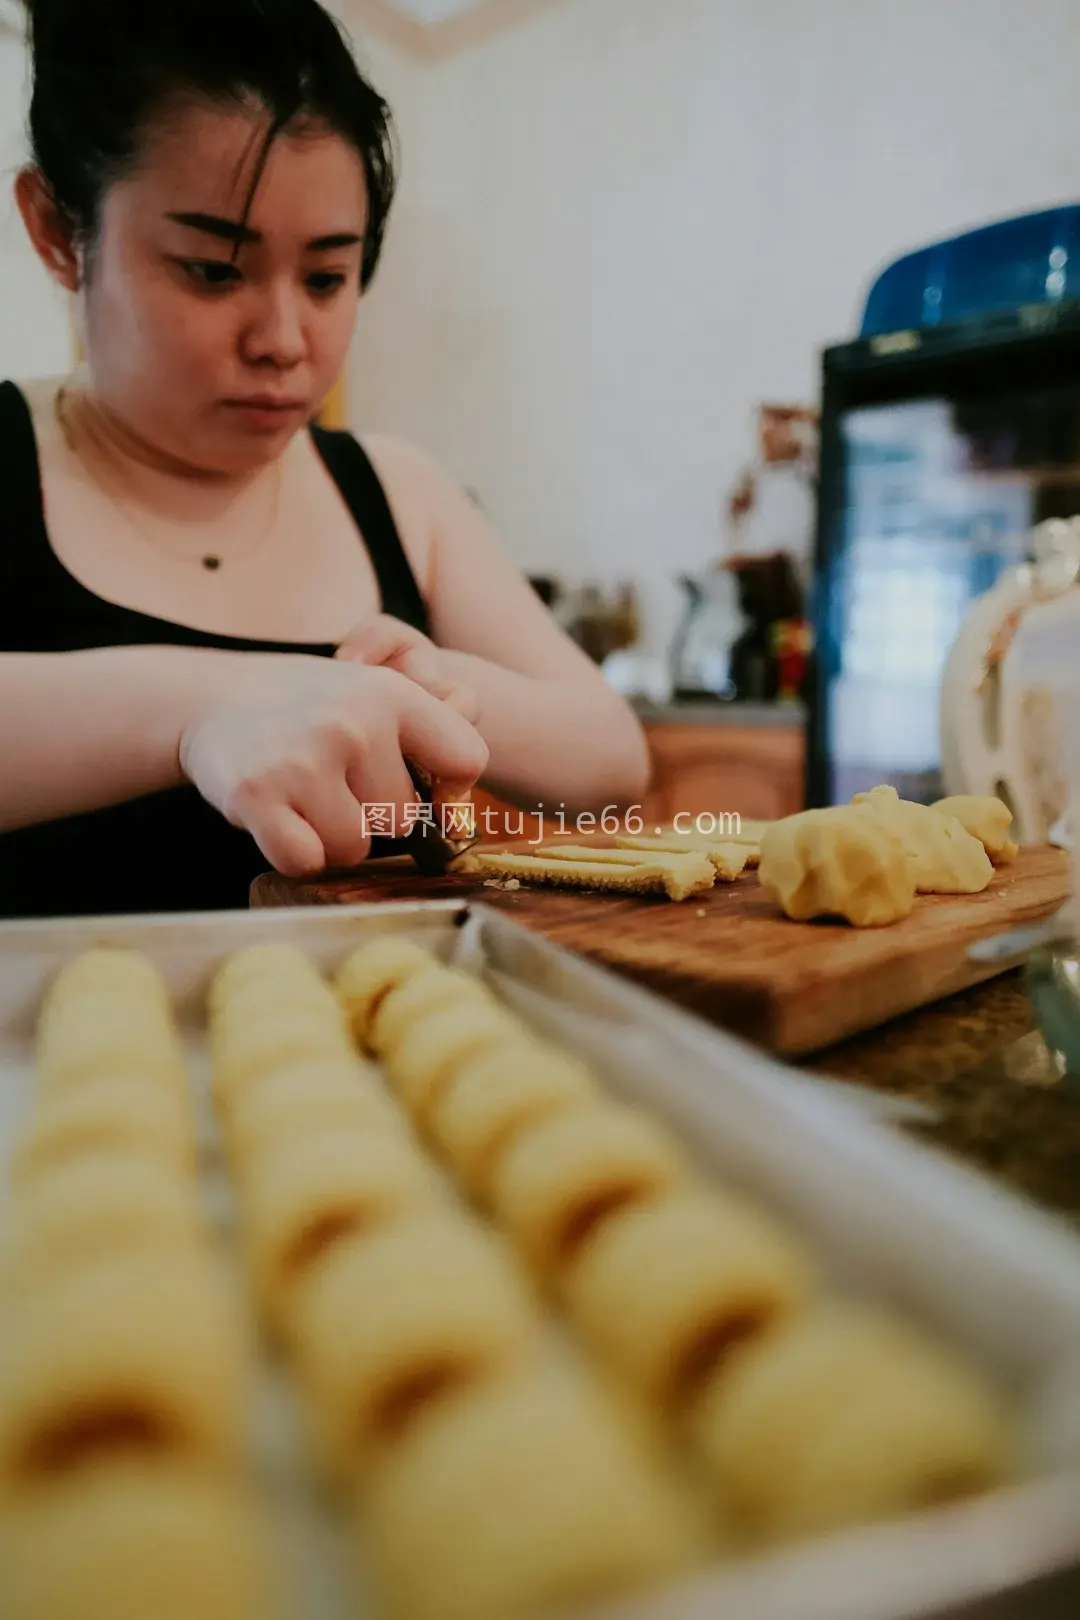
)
(430, 844)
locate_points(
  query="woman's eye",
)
(325, 282)
(211, 274)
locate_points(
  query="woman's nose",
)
(275, 331)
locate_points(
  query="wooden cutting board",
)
(731, 955)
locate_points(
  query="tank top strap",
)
(350, 467)
(23, 544)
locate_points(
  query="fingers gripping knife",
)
(434, 843)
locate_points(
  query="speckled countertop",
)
(976, 1060)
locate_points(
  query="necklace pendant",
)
(211, 562)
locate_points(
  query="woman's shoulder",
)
(421, 484)
(404, 463)
(28, 394)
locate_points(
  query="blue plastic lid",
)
(1033, 259)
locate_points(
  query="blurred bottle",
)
(586, 623)
(624, 620)
(702, 648)
(770, 661)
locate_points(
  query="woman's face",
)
(216, 354)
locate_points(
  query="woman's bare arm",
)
(556, 730)
(289, 747)
(80, 731)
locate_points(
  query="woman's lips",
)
(267, 415)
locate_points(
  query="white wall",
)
(627, 222)
(637, 218)
(35, 333)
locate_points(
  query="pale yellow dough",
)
(839, 862)
(944, 857)
(309, 1096)
(434, 1047)
(497, 1095)
(421, 993)
(248, 1044)
(128, 1114)
(138, 1352)
(985, 818)
(391, 1323)
(310, 1191)
(277, 963)
(370, 972)
(844, 1416)
(93, 1205)
(525, 1495)
(560, 1179)
(730, 856)
(678, 876)
(135, 1540)
(665, 1293)
(107, 1013)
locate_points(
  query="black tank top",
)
(168, 851)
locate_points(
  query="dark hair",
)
(104, 68)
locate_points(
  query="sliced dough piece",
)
(843, 1416)
(105, 971)
(372, 971)
(494, 1096)
(728, 861)
(526, 1494)
(276, 960)
(677, 876)
(135, 1541)
(136, 1353)
(125, 1114)
(421, 993)
(434, 1048)
(840, 862)
(986, 818)
(92, 1206)
(246, 1048)
(107, 1012)
(311, 1191)
(561, 1179)
(389, 1324)
(666, 1291)
(730, 856)
(309, 1097)
(944, 858)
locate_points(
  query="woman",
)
(222, 631)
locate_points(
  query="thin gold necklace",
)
(212, 561)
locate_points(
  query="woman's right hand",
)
(293, 747)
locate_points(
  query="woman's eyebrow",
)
(229, 230)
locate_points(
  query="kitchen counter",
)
(790, 716)
(999, 1105)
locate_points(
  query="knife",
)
(430, 844)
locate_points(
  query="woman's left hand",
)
(390, 642)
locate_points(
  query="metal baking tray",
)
(889, 1219)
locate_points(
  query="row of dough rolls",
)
(808, 1413)
(124, 1365)
(441, 1411)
